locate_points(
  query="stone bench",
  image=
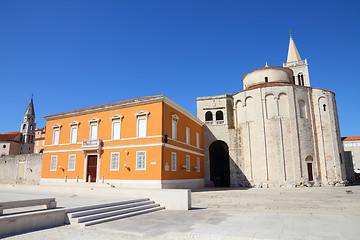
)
(49, 202)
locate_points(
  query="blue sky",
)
(78, 53)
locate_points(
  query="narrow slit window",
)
(324, 107)
(266, 79)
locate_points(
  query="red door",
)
(91, 168)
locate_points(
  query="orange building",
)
(39, 141)
(147, 142)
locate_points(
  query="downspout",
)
(163, 138)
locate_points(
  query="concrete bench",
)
(49, 202)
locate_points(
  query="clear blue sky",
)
(78, 53)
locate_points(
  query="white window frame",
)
(139, 116)
(56, 138)
(173, 161)
(137, 159)
(94, 122)
(69, 163)
(197, 140)
(72, 138)
(53, 162)
(198, 164)
(92, 133)
(187, 135)
(174, 122)
(116, 119)
(37, 143)
(113, 130)
(187, 163)
(111, 161)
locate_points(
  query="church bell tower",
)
(28, 129)
(299, 67)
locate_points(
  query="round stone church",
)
(278, 131)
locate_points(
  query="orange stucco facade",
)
(148, 142)
(39, 140)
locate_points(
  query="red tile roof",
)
(8, 136)
(350, 138)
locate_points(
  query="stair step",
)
(108, 209)
(104, 205)
(112, 218)
(114, 213)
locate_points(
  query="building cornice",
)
(106, 107)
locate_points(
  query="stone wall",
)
(24, 168)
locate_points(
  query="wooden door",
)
(91, 168)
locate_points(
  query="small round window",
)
(4, 146)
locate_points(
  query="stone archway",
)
(219, 164)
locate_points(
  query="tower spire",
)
(30, 109)
(293, 54)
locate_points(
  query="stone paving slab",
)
(299, 213)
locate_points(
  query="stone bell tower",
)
(299, 67)
(28, 129)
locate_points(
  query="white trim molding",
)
(56, 126)
(116, 116)
(97, 120)
(74, 123)
(140, 113)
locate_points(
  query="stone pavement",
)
(276, 213)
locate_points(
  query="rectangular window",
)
(187, 163)
(173, 161)
(141, 160)
(93, 131)
(141, 127)
(72, 159)
(37, 143)
(174, 130)
(116, 130)
(56, 136)
(198, 164)
(53, 164)
(187, 135)
(73, 134)
(43, 142)
(197, 140)
(115, 159)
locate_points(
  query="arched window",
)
(324, 107)
(208, 116)
(31, 127)
(219, 115)
(24, 126)
(266, 79)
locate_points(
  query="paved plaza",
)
(275, 213)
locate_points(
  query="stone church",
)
(278, 131)
(21, 142)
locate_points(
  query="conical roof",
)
(30, 109)
(293, 54)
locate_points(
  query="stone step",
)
(113, 213)
(108, 209)
(104, 205)
(117, 217)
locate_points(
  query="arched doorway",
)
(219, 164)
(309, 161)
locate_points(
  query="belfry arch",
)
(219, 164)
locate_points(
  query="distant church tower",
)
(299, 67)
(28, 129)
